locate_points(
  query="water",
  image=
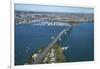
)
(29, 38)
(81, 43)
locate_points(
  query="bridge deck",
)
(42, 55)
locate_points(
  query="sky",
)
(48, 8)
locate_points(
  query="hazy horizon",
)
(51, 8)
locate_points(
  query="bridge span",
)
(41, 56)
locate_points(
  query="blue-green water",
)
(29, 38)
(80, 41)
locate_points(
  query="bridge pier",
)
(59, 38)
(65, 33)
(55, 39)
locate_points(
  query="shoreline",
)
(54, 55)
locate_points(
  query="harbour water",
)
(29, 38)
(80, 41)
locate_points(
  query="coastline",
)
(55, 55)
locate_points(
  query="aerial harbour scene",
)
(46, 34)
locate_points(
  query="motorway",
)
(41, 56)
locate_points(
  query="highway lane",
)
(41, 56)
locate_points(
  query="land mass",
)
(23, 17)
(54, 55)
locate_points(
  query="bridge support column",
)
(65, 32)
(60, 39)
